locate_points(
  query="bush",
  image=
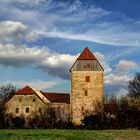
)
(18, 122)
(2, 115)
(93, 121)
(116, 115)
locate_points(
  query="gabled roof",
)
(86, 55)
(57, 97)
(45, 97)
(25, 90)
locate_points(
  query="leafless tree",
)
(134, 86)
(6, 91)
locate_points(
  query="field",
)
(56, 134)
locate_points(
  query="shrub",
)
(116, 115)
(18, 122)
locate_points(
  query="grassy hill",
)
(56, 134)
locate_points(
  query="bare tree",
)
(134, 86)
(6, 91)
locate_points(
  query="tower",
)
(86, 86)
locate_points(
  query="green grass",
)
(56, 134)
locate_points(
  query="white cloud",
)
(11, 27)
(32, 2)
(32, 36)
(121, 75)
(21, 55)
(35, 84)
(124, 66)
(73, 23)
(58, 64)
(98, 37)
(104, 62)
(116, 79)
(13, 32)
(49, 61)
(41, 57)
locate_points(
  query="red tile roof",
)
(58, 97)
(86, 55)
(25, 90)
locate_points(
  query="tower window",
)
(86, 92)
(27, 109)
(82, 108)
(87, 65)
(17, 110)
(87, 78)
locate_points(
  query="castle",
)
(85, 95)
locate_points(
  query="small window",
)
(27, 109)
(40, 110)
(20, 99)
(17, 110)
(86, 92)
(87, 78)
(82, 108)
(33, 99)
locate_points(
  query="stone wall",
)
(23, 101)
(62, 110)
(85, 96)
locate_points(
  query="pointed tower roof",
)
(25, 90)
(86, 55)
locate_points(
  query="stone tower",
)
(86, 86)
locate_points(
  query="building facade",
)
(86, 86)
(27, 103)
(86, 93)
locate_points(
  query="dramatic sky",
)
(41, 39)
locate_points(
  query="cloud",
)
(17, 54)
(104, 62)
(58, 64)
(35, 84)
(116, 79)
(32, 36)
(121, 75)
(13, 32)
(31, 2)
(73, 24)
(124, 66)
(43, 17)
(48, 60)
